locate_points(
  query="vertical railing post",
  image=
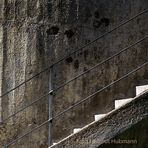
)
(50, 104)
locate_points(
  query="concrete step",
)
(99, 116)
(140, 89)
(75, 130)
(119, 103)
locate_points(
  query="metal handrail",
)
(65, 57)
(66, 83)
(76, 104)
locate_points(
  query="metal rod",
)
(50, 105)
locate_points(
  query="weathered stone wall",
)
(36, 33)
(86, 20)
(129, 140)
(23, 53)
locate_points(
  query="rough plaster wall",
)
(24, 54)
(85, 21)
(137, 133)
(69, 25)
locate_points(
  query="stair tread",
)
(121, 102)
(140, 89)
(99, 116)
(75, 130)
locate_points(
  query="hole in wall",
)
(54, 30)
(96, 14)
(105, 21)
(69, 60)
(34, 121)
(76, 64)
(69, 33)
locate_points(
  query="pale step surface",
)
(119, 103)
(99, 116)
(75, 130)
(140, 89)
